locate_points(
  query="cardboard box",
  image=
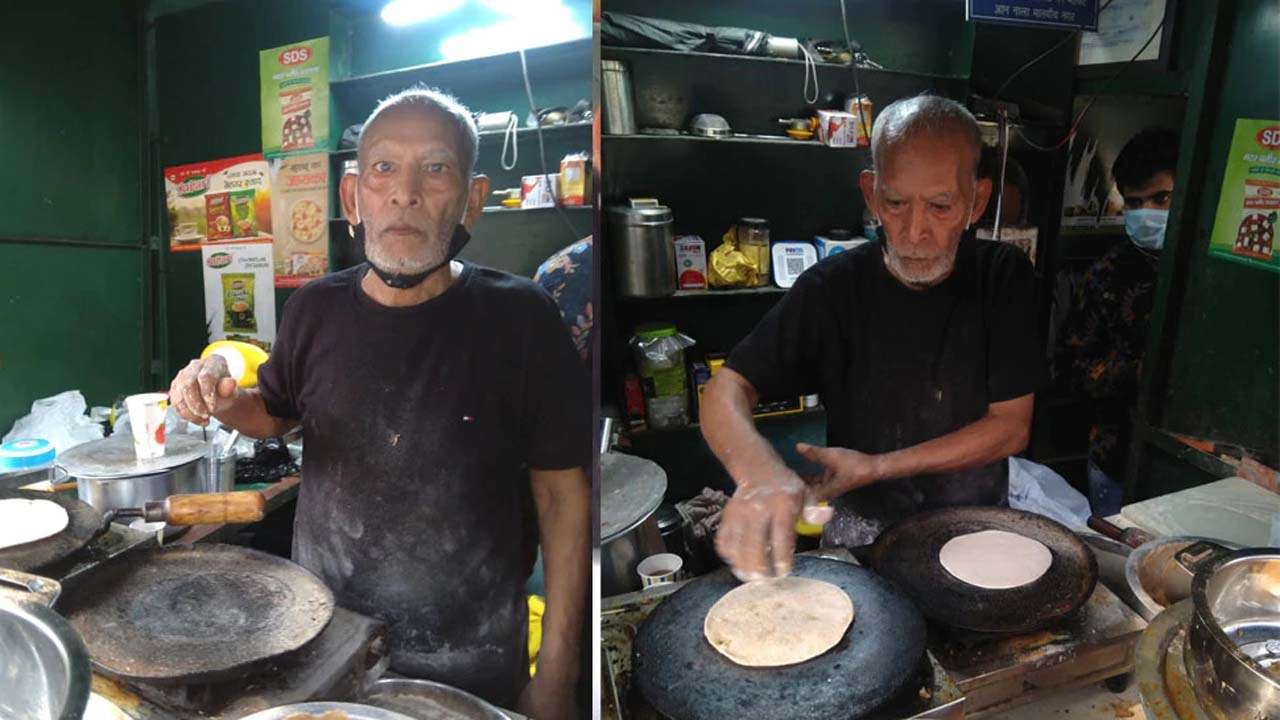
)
(837, 128)
(691, 262)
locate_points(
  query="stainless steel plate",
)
(341, 710)
(113, 457)
(426, 700)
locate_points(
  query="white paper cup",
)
(146, 419)
(660, 569)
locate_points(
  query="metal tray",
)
(353, 711)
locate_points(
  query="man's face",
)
(925, 196)
(412, 189)
(1155, 194)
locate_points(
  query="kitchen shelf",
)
(685, 294)
(498, 210)
(752, 139)
(607, 50)
(490, 135)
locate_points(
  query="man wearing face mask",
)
(1106, 333)
(446, 424)
(923, 347)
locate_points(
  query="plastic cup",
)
(660, 569)
(146, 419)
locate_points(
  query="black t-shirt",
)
(420, 426)
(896, 367)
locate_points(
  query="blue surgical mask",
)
(1146, 227)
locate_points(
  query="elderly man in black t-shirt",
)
(446, 423)
(922, 345)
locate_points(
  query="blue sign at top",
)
(1076, 14)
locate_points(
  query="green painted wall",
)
(1223, 381)
(73, 312)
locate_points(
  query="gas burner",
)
(998, 672)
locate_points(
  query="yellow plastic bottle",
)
(243, 360)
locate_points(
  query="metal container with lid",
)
(46, 673)
(1233, 642)
(110, 476)
(640, 237)
(631, 489)
(615, 90)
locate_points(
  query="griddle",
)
(683, 677)
(907, 554)
(191, 614)
(83, 525)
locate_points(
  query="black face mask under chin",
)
(404, 281)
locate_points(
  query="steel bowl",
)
(1158, 574)
(44, 669)
(353, 711)
(710, 125)
(426, 699)
(1233, 649)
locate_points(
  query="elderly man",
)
(923, 347)
(445, 421)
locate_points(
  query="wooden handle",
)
(215, 508)
(65, 487)
(1106, 528)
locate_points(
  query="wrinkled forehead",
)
(939, 157)
(411, 129)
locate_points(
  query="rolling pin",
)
(201, 509)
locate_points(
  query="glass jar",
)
(753, 241)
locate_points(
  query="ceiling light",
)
(408, 12)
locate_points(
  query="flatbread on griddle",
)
(783, 621)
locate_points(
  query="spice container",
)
(753, 241)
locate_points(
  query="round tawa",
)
(907, 553)
(83, 525)
(195, 614)
(683, 677)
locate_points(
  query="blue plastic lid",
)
(26, 454)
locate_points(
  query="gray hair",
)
(439, 101)
(931, 115)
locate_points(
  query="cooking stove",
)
(1165, 679)
(348, 654)
(933, 695)
(999, 672)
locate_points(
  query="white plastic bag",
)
(60, 419)
(1038, 489)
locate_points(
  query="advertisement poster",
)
(1090, 196)
(301, 202)
(239, 298)
(218, 201)
(294, 84)
(1122, 30)
(1244, 230)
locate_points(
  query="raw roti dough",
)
(995, 559)
(783, 621)
(23, 521)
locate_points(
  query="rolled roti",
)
(775, 622)
(23, 521)
(995, 559)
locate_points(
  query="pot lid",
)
(113, 457)
(642, 210)
(631, 488)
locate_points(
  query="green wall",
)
(73, 268)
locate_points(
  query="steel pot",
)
(640, 238)
(1233, 648)
(44, 669)
(615, 90)
(631, 489)
(109, 476)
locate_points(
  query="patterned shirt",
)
(567, 276)
(1106, 336)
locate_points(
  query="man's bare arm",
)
(563, 499)
(1003, 431)
(204, 389)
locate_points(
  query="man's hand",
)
(757, 530)
(547, 697)
(842, 469)
(202, 389)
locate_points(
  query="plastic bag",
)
(60, 419)
(1038, 489)
(729, 267)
